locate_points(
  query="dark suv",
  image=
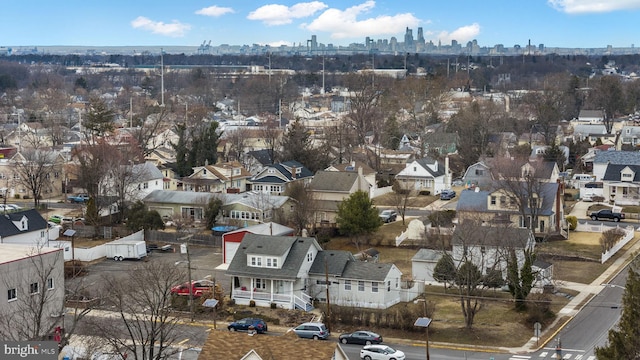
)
(447, 194)
(258, 324)
(388, 216)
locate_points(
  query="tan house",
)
(330, 188)
(499, 207)
(228, 177)
(49, 164)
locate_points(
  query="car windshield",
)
(389, 350)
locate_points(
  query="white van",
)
(583, 177)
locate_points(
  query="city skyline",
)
(555, 23)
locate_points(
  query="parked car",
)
(607, 214)
(61, 219)
(80, 198)
(258, 324)
(447, 194)
(457, 182)
(388, 216)
(380, 352)
(361, 337)
(199, 287)
(312, 330)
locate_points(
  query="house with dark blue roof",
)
(500, 207)
(26, 227)
(621, 184)
(274, 179)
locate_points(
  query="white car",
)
(380, 352)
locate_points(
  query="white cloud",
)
(215, 11)
(593, 6)
(345, 23)
(275, 14)
(461, 34)
(173, 29)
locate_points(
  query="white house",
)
(353, 282)
(147, 179)
(273, 270)
(490, 247)
(26, 227)
(33, 289)
(426, 174)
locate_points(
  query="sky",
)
(555, 23)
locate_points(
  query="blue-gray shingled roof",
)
(291, 265)
(7, 228)
(370, 271)
(617, 157)
(612, 173)
(336, 262)
(426, 161)
(179, 197)
(478, 201)
(471, 234)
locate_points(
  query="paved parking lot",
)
(203, 263)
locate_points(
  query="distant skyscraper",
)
(420, 36)
(408, 40)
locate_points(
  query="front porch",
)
(264, 292)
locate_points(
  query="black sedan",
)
(362, 337)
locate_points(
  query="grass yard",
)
(391, 200)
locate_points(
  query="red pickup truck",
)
(199, 287)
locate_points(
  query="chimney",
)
(360, 170)
(293, 172)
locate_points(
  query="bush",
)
(274, 305)
(538, 308)
(252, 303)
(573, 222)
(16, 196)
(425, 192)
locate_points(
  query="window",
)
(261, 284)
(479, 172)
(272, 262)
(493, 200)
(34, 288)
(374, 286)
(12, 294)
(388, 285)
(309, 257)
(50, 284)
(256, 261)
(360, 285)
(347, 285)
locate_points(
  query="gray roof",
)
(179, 197)
(146, 171)
(299, 247)
(617, 157)
(36, 222)
(478, 201)
(427, 255)
(336, 262)
(471, 234)
(338, 181)
(361, 270)
(426, 161)
(267, 246)
(255, 199)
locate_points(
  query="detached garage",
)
(232, 239)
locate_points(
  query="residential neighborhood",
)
(359, 204)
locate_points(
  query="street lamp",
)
(424, 322)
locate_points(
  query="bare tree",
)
(401, 198)
(146, 128)
(522, 188)
(146, 328)
(237, 140)
(35, 169)
(302, 215)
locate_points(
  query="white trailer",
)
(126, 249)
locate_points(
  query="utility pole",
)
(326, 279)
(162, 77)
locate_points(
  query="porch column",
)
(251, 289)
(271, 290)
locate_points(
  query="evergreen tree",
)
(183, 168)
(357, 217)
(624, 341)
(445, 270)
(297, 145)
(520, 281)
(211, 212)
(99, 119)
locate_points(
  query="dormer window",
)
(256, 261)
(298, 170)
(204, 171)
